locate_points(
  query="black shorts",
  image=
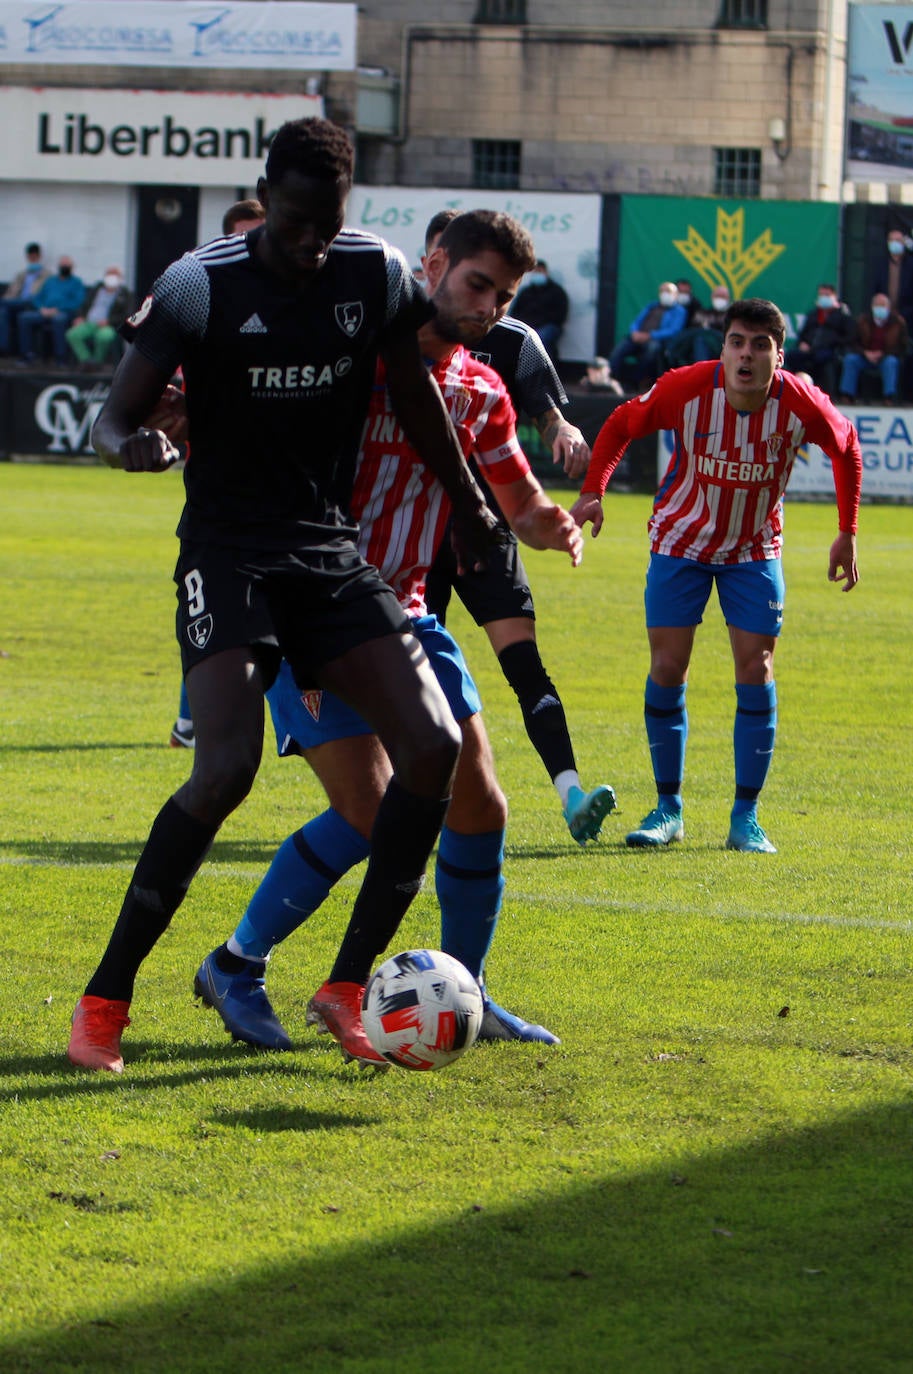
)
(499, 592)
(309, 607)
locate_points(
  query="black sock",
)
(401, 841)
(543, 714)
(176, 847)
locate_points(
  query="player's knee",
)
(220, 781)
(427, 758)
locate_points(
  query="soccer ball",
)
(422, 1009)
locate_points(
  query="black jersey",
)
(277, 380)
(518, 355)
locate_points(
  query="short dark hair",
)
(760, 314)
(33, 248)
(312, 147)
(241, 210)
(476, 231)
(436, 226)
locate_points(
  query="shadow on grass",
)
(793, 1253)
(239, 851)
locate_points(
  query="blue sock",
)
(469, 888)
(184, 704)
(666, 719)
(753, 738)
(305, 867)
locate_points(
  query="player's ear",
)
(436, 265)
(263, 191)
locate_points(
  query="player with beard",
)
(403, 513)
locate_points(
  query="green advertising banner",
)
(777, 249)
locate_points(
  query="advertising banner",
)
(776, 249)
(879, 97)
(185, 138)
(49, 416)
(285, 36)
(564, 228)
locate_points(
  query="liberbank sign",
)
(203, 138)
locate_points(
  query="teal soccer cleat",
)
(660, 828)
(747, 837)
(585, 811)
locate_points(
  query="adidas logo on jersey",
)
(253, 326)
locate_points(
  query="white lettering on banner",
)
(291, 35)
(56, 415)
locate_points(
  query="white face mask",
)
(111, 281)
(720, 303)
(826, 302)
(895, 246)
(667, 298)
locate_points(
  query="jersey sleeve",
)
(175, 311)
(827, 427)
(501, 459)
(408, 308)
(659, 408)
(537, 386)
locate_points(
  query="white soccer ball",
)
(422, 1009)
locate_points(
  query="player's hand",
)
(148, 450)
(551, 527)
(170, 415)
(588, 506)
(571, 450)
(474, 532)
(842, 567)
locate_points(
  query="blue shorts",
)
(302, 720)
(751, 594)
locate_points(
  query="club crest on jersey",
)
(459, 402)
(138, 316)
(350, 316)
(482, 358)
(198, 631)
(773, 444)
(311, 702)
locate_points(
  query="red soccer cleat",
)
(336, 1007)
(95, 1038)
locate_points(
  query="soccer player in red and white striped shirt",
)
(718, 517)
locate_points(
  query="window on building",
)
(743, 14)
(501, 12)
(496, 164)
(738, 172)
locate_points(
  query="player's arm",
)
(537, 520)
(567, 444)
(834, 433)
(119, 434)
(420, 409)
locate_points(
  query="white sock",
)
(564, 782)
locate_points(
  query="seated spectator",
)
(822, 340)
(881, 342)
(598, 377)
(704, 339)
(242, 216)
(20, 294)
(688, 300)
(543, 305)
(640, 357)
(104, 309)
(55, 307)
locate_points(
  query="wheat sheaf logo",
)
(728, 262)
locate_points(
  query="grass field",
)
(712, 1172)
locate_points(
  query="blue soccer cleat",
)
(585, 811)
(241, 1001)
(498, 1024)
(661, 827)
(747, 837)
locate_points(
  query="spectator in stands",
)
(704, 338)
(55, 306)
(894, 276)
(640, 356)
(598, 377)
(688, 300)
(104, 309)
(543, 305)
(882, 340)
(20, 294)
(243, 215)
(822, 340)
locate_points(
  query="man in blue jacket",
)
(640, 356)
(56, 304)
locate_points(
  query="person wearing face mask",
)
(543, 305)
(640, 356)
(824, 337)
(882, 340)
(704, 338)
(58, 300)
(106, 306)
(894, 275)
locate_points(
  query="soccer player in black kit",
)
(277, 335)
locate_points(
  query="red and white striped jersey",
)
(720, 498)
(400, 505)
